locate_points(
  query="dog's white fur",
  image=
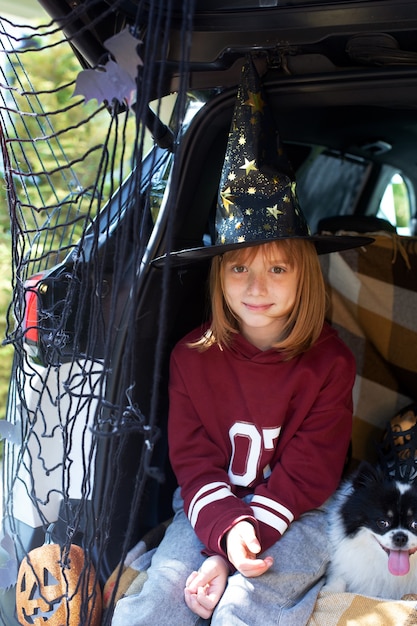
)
(359, 563)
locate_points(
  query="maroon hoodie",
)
(244, 421)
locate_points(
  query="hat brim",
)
(325, 244)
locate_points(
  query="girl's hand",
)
(242, 547)
(204, 588)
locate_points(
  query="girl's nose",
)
(256, 284)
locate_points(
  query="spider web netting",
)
(76, 244)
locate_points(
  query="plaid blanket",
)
(373, 303)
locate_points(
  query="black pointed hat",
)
(257, 197)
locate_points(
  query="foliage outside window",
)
(395, 204)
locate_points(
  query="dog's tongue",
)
(399, 562)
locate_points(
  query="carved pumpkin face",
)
(53, 591)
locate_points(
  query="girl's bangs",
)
(290, 248)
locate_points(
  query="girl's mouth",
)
(256, 307)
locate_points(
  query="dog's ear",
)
(367, 475)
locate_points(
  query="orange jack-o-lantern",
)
(55, 587)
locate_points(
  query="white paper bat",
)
(116, 80)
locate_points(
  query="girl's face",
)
(260, 289)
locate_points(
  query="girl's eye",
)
(238, 269)
(276, 269)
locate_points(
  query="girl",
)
(273, 296)
(264, 440)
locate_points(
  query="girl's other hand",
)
(242, 547)
(203, 589)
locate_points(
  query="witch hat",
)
(257, 197)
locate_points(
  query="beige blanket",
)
(348, 609)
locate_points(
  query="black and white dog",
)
(373, 535)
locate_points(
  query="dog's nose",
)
(399, 539)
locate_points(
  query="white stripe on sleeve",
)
(270, 518)
(274, 506)
(206, 495)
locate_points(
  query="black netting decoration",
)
(397, 451)
(79, 202)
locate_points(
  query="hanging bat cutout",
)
(116, 80)
(106, 83)
(123, 47)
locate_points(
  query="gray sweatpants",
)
(285, 595)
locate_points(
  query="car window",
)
(331, 184)
(396, 204)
